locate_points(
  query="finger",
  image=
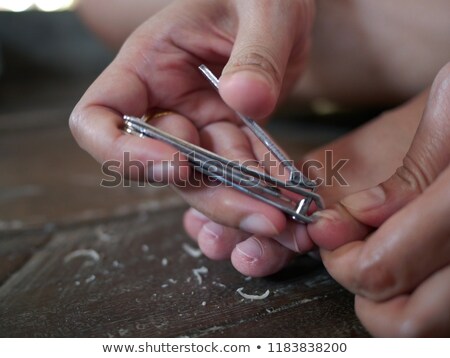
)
(403, 252)
(423, 313)
(428, 155)
(336, 227)
(295, 237)
(356, 161)
(263, 47)
(258, 256)
(146, 75)
(96, 123)
(193, 221)
(135, 158)
(223, 204)
(216, 241)
(96, 119)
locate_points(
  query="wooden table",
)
(79, 260)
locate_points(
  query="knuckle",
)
(222, 203)
(372, 278)
(257, 58)
(238, 150)
(429, 152)
(413, 176)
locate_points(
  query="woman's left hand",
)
(400, 273)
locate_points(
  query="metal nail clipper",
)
(294, 196)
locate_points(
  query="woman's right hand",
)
(259, 46)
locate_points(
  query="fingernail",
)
(295, 238)
(212, 230)
(258, 224)
(242, 78)
(328, 214)
(238, 75)
(251, 248)
(366, 199)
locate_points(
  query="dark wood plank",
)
(47, 179)
(16, 250)
(142, 284)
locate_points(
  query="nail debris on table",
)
(198, 272)
(218, 284)
(102, 234)
(87, 253)
(90, 279)
(117, 264)
(252, 297)
(192, 251)
(123, 332)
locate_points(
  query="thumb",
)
(428, 155)
(270, 35)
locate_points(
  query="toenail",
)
(251, 248)
(212, 230)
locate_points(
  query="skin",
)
(390, 254)
(400, 271)
(125, 16)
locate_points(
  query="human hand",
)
(261, 49)
(368, 164)
(400, 273)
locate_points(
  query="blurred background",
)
(47, 56)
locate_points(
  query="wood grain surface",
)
(79, 260)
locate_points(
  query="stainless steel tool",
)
(294, 197)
